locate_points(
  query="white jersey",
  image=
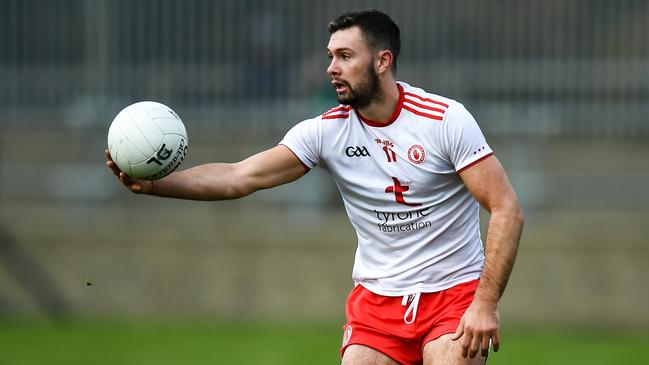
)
(417, 224)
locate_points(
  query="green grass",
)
(159, 344)
(592, 347)
(141, 343)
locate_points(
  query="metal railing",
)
(550, 68)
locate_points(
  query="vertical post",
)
(96, 46)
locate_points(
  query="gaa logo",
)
(416, 154)
(356, 151)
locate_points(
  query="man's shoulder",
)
(417, 93)
(329, 118)
(338, 112)
(426, 104)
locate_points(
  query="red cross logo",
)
(398, 191)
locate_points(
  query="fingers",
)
(481, 343)
(479, 330)
(484, 346)
(496, 341)
(466, 344)
(474, 347)
(126, 180)
(113, 168)
(134, 185)
(459, 331)
(111, 164)
(123, 178)
(474, 342)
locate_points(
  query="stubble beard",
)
(367, 91)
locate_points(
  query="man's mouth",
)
(340, 86)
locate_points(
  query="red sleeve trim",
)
(428, 107)
(336, 116)
(475, 162)
(343, 109)
(431, 116)
(427, 99)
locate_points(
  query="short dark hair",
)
(379, 30)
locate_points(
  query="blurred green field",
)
(158, 343)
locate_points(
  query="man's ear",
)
(383, 62)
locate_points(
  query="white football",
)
(147, 140)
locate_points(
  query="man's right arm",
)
(220, 181)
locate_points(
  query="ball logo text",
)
(162, 155)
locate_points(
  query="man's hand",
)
(134, 185)
(479, 329)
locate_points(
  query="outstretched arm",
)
(488, 183)
(219, 181)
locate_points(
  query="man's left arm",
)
(488, 183)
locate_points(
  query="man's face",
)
(352, 68)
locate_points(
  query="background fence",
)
(560, 88)
(535, 68)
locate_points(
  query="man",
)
(412, 169)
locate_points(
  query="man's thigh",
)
(444, 351)
(363, 355)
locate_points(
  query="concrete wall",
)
(288, 252)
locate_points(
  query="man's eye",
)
(345, 56)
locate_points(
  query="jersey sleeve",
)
(304, 141)
(465, 144)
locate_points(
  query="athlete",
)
(413, 168)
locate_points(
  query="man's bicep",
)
(488, 183)
(270, 168)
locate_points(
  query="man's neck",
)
(381, 111)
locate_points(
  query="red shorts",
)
(380, 322)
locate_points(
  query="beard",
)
(365, 93)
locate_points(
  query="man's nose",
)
(333, 68)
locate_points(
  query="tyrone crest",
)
(416, 154)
